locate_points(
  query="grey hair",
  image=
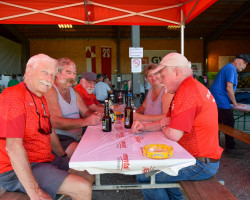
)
(36, 59)
(63, 62)
(186, 71)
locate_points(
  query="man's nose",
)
(50, 77)
(73, 75)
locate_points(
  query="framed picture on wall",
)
(223, 60)
(197, 69)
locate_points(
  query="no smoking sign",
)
(135, 65)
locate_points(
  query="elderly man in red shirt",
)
(192, 121)
(85, 88)
(26, 160)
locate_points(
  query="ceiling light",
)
(65, 26)
(173, 27)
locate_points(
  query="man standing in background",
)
(13, 81)
(223, 89)
(102, 90)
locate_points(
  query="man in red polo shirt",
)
(192, 121)
(85, 88)
(26, 161)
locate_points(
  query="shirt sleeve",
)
(107, 86)
(12, 116)
(230, 75)
(95, 100)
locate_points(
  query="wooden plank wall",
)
(75, 49)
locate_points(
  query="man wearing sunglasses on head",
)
(26, 161)
(66, 106)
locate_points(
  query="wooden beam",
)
(229, 22)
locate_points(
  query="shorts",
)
(49, 176)
(65, 141)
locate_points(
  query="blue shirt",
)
(218, 89)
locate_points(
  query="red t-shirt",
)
(194, 111)
(88, 99)
(19, 119)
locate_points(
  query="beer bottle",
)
(120, 98)
(106, 120)
(129, 113)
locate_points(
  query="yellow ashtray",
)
(158, 151)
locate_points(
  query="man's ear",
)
(177, 71)
(82, 82)
(28, 70)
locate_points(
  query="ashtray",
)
(158, 151)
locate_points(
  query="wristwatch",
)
(163, 124)
(64, 155)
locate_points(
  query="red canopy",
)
(108, 12)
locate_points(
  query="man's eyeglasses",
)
(40, 129)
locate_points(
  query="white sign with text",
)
(135, 52)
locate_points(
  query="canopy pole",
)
(182, 32)
(182, 40)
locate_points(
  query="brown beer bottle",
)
(129, 113)
(120, 98)
(106, 120)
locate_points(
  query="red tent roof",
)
(109, 12)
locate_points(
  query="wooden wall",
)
(75, 49)
(226, 48)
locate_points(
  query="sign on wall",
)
(154, 56)
(135, 65)
(91, 59)
(135, 52)
(106, 55)
(197, 69)
(223, 60)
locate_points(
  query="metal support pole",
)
(135, 42)
(182, 40)
(182, 32)
(118, 58)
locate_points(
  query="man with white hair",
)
(192, 121)
(85, 88)
(66, 106)
(26, 161)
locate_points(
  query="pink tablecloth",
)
(120, 151)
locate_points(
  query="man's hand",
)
(40, 195)
(93, 119)
(137, 127)
(241, 105)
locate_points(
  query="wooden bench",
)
(13, 196)
(4, 195)
(240, 135)
(210, 189)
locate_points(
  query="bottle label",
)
(112, 117)
(127, 121)
(104, 125)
